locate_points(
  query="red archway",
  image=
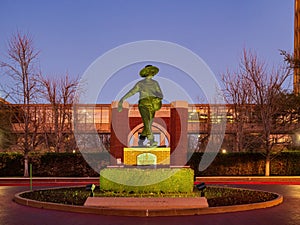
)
(164, 136)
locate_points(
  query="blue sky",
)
(72, 34)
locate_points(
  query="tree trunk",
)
(26, 173)
(267, 165)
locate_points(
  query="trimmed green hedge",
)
(230, 164)
(53, 164)
(11, 164)
(163, 180)
(61, 165)
(248, 164)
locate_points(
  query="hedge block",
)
(163, 180)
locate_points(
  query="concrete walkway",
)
(61, 181)
(287, 213)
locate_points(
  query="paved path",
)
(287, 213)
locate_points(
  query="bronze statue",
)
(150, 97)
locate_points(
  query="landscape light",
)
(224, 151)
(91, 188)
(201, 187)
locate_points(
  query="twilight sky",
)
(72, 34)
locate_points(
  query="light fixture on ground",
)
(224, 151)
(91, 188)
(201, 187)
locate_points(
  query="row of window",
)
(102, 114)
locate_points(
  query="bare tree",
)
(20, 68)
(60, 93)
(237, 90)
(267, 87)
(292, 61)
(254, 83)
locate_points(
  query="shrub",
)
(69, 164)
(248, 164)
(11, 164)
(66, 164)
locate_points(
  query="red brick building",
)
(170, 122)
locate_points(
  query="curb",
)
(280, 180)
(67, 181)
(108, 211)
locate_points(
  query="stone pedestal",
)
(146, 156)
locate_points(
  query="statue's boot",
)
(141, 140)
(151, 141)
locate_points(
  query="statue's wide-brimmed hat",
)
(149, 70)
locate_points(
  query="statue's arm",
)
(131, 92)
(158, 92)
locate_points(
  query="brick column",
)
(119, 131)
(178, 133)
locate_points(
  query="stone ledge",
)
(147, 203)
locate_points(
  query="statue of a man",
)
(150, 97)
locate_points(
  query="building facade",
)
(88, 119)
